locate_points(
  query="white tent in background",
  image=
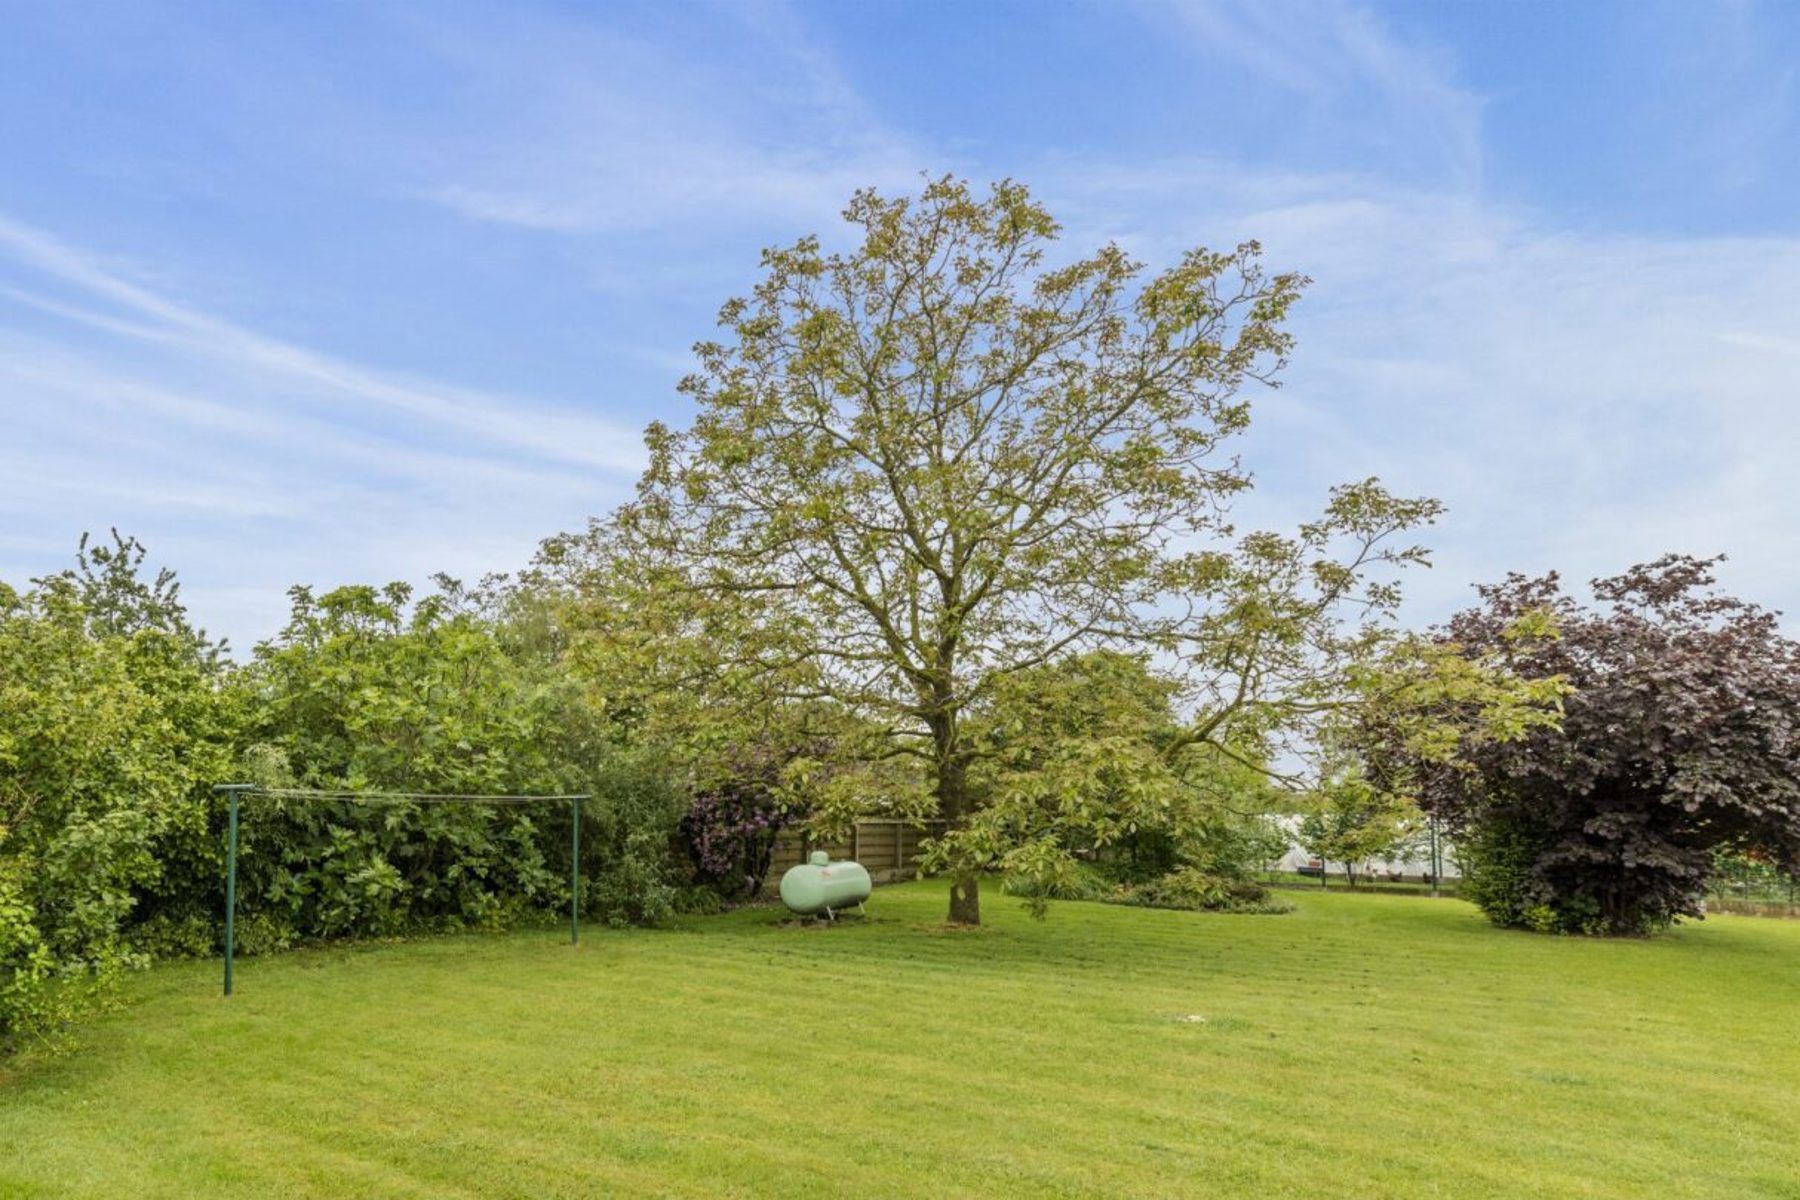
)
(1415, 867)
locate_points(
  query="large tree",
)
(1680, 738)
(941, 457)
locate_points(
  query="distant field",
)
(1364, 1045)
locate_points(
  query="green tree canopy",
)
(1349, 820)
(943, 456)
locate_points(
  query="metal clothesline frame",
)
(236, 792)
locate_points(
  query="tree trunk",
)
(965, 900)
(953, 806)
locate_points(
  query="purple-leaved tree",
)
(1680, 737)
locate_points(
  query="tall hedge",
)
(114, 721)
(117, 717)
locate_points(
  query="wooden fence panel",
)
(888, 849)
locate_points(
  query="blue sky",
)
(351, 291)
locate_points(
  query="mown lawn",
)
(1365, 1045)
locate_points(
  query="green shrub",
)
(167, 936)
(629, 844)
(1503, 874)
(1499, 874)
(366, 689)
(1189, 888)
(117, 718)
(1194, 889)
(1085, 881)
(111, 728)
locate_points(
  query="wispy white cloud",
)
(617, 134)
(1582, 401)
(253, 463)
(505, 422)
(77, 388)
(1341, 55)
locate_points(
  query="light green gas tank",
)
(820, 885)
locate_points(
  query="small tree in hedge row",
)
(1680, 738)
(1349, 820)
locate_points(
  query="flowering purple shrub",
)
(731, 834)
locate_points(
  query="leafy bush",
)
(117, 717)
(1087, 776)
(112, 725)
(1499, 874)
(628, 843)
(731, 835)
(1211, 837)
(366, 689)
(745, 794)
(1197, 890)
(30, 1001)
(1677, 742)
(1190, 888)
(1085, 881)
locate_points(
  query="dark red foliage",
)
(1682, 737)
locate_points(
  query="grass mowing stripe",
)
(1395, 1043)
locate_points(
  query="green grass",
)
(1363, 1045)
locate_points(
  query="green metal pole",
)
(231, 889)
(1437, 868)
(575, 872)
